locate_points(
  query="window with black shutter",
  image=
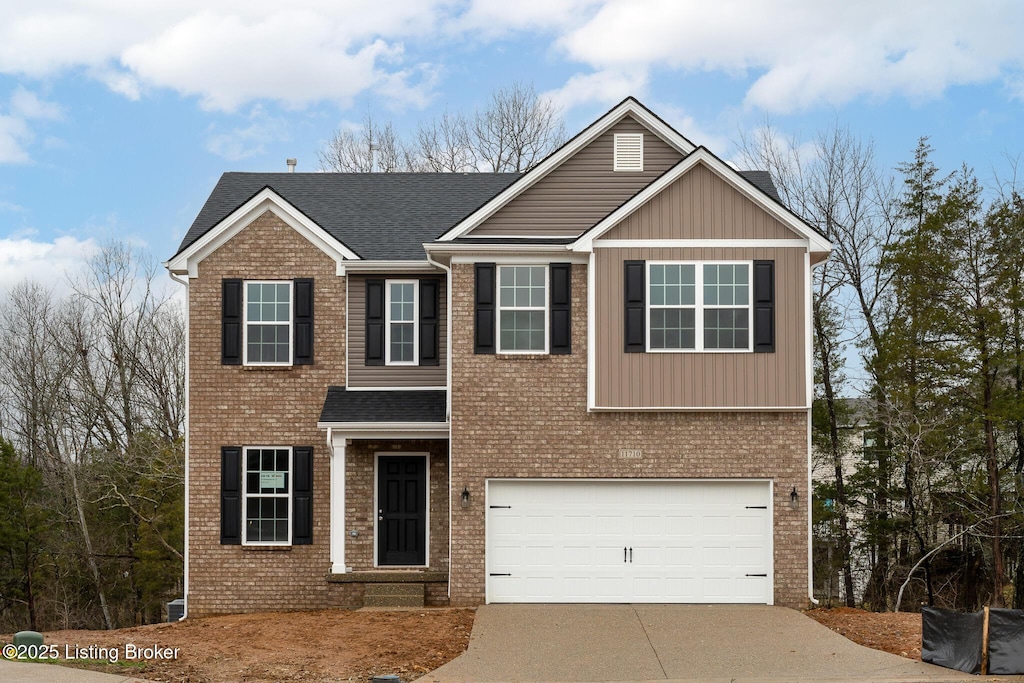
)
(429, 322)
(375, 322)
(483, 318)
(764, 306)
(231, 495)
(303, 329)
(561, 308)
(302, 496)
(635, 296)
(231, 322)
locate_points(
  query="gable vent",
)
(629, 152)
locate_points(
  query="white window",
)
(699, 306)
(400, 339)
(268, 323)
(629, 152)
(522, 309)
(267, 495)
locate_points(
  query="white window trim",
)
(699, 305)
(615, 154)
(547, 304)
(415, 326)
(245, 321)
(246, 494)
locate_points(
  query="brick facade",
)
(232, 405)
(526, 416)
(512, 416)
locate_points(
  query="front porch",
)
(389, 498)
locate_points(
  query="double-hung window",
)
(699, 306)
(400, 330)
(268, 323)
(267, 496)
(522, 309)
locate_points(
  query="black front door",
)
(401, 510)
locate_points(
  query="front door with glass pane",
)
(402, 510)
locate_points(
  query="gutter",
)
(186, 554)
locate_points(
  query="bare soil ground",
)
(313, 647)
(895, 632)
(338, 645)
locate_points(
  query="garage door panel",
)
(564, 541)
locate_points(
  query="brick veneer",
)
(525, 416)
(235, 405)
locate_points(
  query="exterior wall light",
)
(794, 499)
(465, 497)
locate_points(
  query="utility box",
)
(28, 638)
(176, 610)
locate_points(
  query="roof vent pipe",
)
(291, 164)
(373, 157)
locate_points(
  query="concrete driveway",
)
(670, 642)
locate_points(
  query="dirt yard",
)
(312, 647)
(337, 645)
(898, 633)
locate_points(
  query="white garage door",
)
(629, 541)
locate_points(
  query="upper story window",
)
(400, 329)
(522, 309)
(267, 496)
(699, 306)
(268, 323)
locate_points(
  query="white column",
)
(338, 505)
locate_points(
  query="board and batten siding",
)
(700, 379)
(359, 374)
(582, 190)
(700, 205)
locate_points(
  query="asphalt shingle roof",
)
(342, 405)
(377, 215)
(380, 216)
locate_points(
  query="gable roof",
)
(768, 201)
(379, 216)
(628, 107)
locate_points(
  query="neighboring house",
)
(588, 383)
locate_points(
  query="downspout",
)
(810, 402)
(448, 403)
(187, 420)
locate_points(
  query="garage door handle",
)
(631, 556)
(757, 507)
(493, 574)
(764, 575)
(501, 507)
(623, 554)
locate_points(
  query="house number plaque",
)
(631, 453)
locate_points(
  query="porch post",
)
(338, 504)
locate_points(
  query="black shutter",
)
(560, 305)
(635, 295)
(303, 340)
(375, 322)
(764, 306)
(486, 296)
(430, 322)
(231, 322)
(230, 495)
(302, 495)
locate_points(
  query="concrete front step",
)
(394, 595)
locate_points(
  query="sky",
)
(118, 116)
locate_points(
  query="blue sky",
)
(117, 117)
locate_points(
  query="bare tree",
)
(516, 130)
(374, 147)
(511, 134)
(445, 145)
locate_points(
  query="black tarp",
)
(952, 639)
(1006, 641)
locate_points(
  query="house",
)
(587, 383)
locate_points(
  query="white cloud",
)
(808, 52)
(247, 141)
(606, 87)
(15, 132)
(225, 53)
(23, 258)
